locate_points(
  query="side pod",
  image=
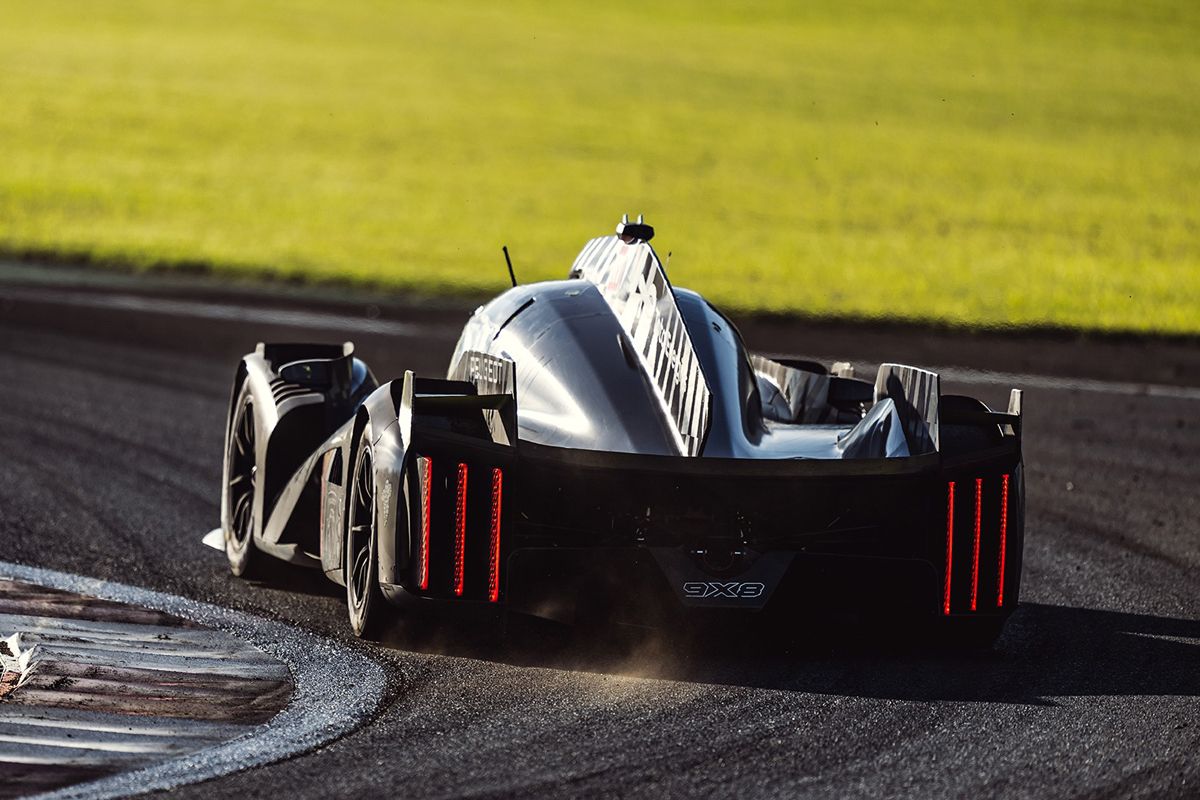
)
(300, 394)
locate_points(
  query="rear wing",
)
(900, 415)
(917, 398)
(477, 405)
(458, 436)
(1009, 421)
(915, 393)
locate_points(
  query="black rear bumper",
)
(919, 535)
(631, 585)
(644, 539)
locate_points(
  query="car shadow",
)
(1046, 651)
(270, 573)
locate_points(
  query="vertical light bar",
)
(949, 543)
(1003, 538)
(460, 529)
(975, 555)
(425, 471)
(494, 557)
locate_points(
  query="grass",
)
(1018, 163)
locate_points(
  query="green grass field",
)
(1010, 163)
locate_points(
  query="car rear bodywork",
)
(608, 442)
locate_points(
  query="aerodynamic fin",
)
(632, 281)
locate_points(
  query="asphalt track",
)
(110, 439)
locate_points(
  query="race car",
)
(605, 447)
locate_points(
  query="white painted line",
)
(77, 740)
(214, 665)
(226, 312)
(134, 633)
(1059, 384)
(124, 724)
(336, 690)
(36, 755)
(348, 324)
(1019, 380)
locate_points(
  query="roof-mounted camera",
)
(630, 231)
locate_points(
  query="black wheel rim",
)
(361, 536)
(242, 470)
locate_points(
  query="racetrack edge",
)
(336, 690)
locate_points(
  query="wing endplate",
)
(916, 393)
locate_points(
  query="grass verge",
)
(1015, 164)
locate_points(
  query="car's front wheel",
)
(241, 481)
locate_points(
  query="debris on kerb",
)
(95, 689)
(17, 664)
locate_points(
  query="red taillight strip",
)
(425, 470)
(949, 543)
(975, 555)
(460, 529)
(494, 559)
(1003, 538)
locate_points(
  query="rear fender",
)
(377, 415)
(386, 420)
(452, 429)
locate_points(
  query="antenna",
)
(512, 275)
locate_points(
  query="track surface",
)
(110, 466)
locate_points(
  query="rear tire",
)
(364, 601)
(241, 487)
